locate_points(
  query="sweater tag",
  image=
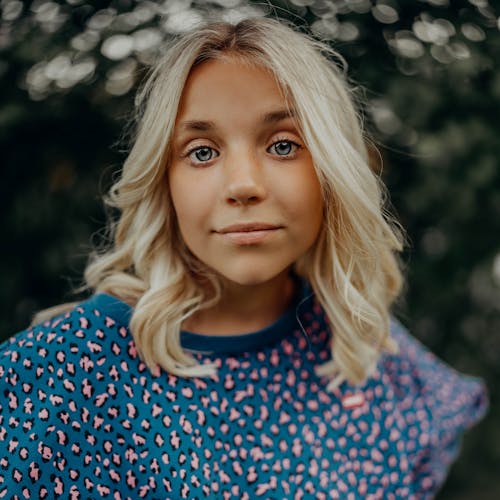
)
(355, 400)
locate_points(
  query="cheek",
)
(313, 217)
(307, 203)
(191, 203)
(181, 200)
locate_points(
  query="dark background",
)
(429, 80)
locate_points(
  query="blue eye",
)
(202, 154)
(284, 148)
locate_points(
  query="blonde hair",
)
(352, 267)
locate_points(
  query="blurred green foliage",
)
(431, 80)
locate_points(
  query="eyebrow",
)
(278, 116)
(267, 119)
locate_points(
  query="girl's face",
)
(243, 185)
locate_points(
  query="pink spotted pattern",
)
(81, 417)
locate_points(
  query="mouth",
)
(248, 233)
(248, 227)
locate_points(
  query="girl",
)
(238, 342)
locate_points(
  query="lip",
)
(248, 233)
(247, 227)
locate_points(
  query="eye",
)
(284, 147)
(202, 154)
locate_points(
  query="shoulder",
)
(56, 356)
(87, 329)
(423, 375)
(55, 380)
(434, 402)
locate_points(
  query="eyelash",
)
(296, 145)
(291, 155)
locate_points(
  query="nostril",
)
(245, 192)
(244, 200)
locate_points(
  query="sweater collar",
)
(284, 326)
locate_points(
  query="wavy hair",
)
(353, 266)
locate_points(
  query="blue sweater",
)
(81, 417)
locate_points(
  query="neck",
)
(244, 308)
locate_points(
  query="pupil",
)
(203, 154)
(283, 147)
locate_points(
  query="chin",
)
(250, 277)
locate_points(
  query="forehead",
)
(231, 66)
(223, 84)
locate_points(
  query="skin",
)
(232, 166)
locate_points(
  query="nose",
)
(244, 180)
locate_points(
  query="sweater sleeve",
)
(69, 390)
(454, 402)
(31, 442)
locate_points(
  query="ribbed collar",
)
(195, 342)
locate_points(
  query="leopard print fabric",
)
(81, 417)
